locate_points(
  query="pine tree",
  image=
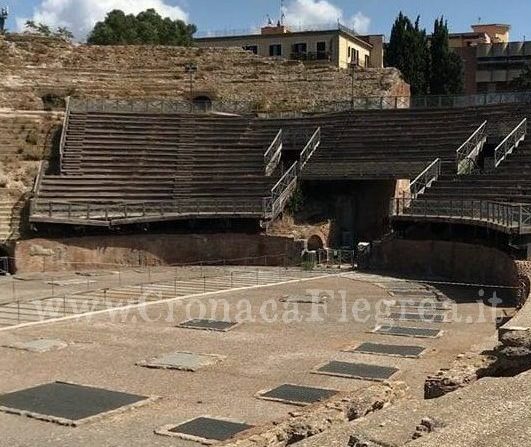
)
(147, 28)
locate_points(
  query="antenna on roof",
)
(479, 20)
(282, 15)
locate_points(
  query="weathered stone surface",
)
(324, 416)
(31, 68)
(489, 413)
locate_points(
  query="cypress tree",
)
(446, 67)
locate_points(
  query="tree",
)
(522, 82)
(446, 67)
(146, 28)
(44, 30)
(408, 51)
(428, 65)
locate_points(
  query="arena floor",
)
(280, 338)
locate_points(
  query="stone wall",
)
(32, 68)
(91, 252)
(451, 260)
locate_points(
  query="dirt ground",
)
(267, 349)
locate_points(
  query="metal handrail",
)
(281, 192)
(425, 179)
(112, 213)
(310, 148)
(510, 142)
(43, 166)
(273, 154)
(510, 217)
(62, 143)
(471, 148)
(179, 105)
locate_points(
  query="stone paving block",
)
(38, 345)
(182, 361)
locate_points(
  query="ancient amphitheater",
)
(273, 254)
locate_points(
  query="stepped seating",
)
(112, 159)
(390, 144)
(510, 182)
(10, 217)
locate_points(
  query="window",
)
(251, 48)
(275, 50)
(299, 48)
(321, 50)
(367, 61)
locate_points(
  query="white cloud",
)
(360, 22)
(322, 12)
(81, 15)
(311, 12)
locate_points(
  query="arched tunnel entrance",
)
(202, 103)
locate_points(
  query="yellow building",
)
(340, 46)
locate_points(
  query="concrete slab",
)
(38, 345)
(388, 350)
(403, 331)
(205, 429)
(208, 325)
(296, 394)
(68, 403)
(420, 316)
(359, 371)
(182, 361)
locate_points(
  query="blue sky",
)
(374, 16)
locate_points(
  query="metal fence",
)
(467, 154)
(426, 178)
(273, 154)
(116, 213)
(179, 105)
(510, 142)
(509, 217)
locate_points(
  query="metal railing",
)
(159, 106)
(129, 212)
(426, 178)
(509, 217)
(281, 192)
(273, 154)
(310, 148)
(467, 154)
(179, 105)
(62, 143)
(510, 142)
(43, 166)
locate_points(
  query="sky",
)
(366, 16)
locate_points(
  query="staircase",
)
(10, 219)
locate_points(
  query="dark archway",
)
(5, 262)
(315, 243)
(202, 103)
